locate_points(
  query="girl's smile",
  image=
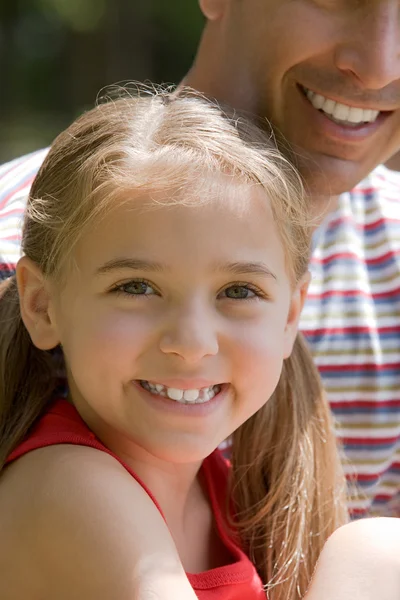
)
(191, 402)
(187, 394)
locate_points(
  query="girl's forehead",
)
(223, 201)
(207, 193)
(236, 221)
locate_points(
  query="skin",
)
(184, 326)
(255, 54)
(394, 162)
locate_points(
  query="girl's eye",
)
(238, 292)
(135, 288)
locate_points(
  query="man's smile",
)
(343, 114)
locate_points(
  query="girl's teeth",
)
(174, 394)
(184, 396)
(191, 395)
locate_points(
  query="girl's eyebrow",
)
(234, 268)
(246, 268)
(130, 263)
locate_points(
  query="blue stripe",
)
(336, 337)
(6, 272)
(371, 448)
(357, 194)
(371, 483)
(331, 233)
(355, 299)
(363, 410)
(360, 372)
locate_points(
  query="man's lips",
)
(323, 125)
(354, 100)
(343, 112)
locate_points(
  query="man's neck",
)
(321, 206)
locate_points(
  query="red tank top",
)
(62, 424)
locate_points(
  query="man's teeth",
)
(341, 113)
(195, 396)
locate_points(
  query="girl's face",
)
(175, 321)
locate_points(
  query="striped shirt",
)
(352, 323)
(351, 320)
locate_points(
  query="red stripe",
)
(364, 404)
(365, 476)
(7, 267)
(364, 367)
(374, 224)
(367, 441)
(12, 238)
(358, 511)
(354, 293)
(369, 477)
(384, 497)
(339, 330)
(363, 191)
(368, 261)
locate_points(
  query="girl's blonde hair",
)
(287, 485)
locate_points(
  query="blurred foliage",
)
(79, 16)
(55, 56)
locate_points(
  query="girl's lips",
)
(159, 402)
(185, 384)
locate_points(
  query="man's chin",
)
(329, 176)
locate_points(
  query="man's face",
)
(325, 72)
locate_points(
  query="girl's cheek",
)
(111, 338)
(260, 337)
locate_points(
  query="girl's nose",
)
(190, 334)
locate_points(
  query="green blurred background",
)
(55, 56)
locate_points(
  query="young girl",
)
(164, 270)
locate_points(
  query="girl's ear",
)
(296, 306)
(36, 305)
(213, 9)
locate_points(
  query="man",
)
(326, 73)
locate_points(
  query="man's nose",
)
(190, 333)
(370, 53)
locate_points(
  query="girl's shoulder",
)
(61, 424)
(77, 525)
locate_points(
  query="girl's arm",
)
(78, 526)
(360, 561)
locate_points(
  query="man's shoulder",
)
(16, 177)
(18, 174)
